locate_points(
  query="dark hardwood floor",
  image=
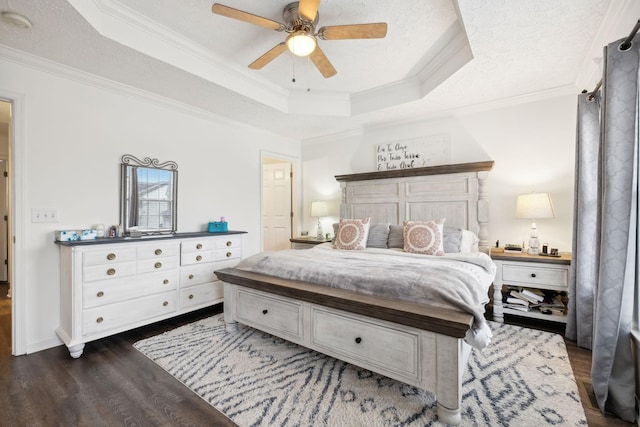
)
(112, 384)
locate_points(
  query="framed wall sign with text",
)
(414, 153)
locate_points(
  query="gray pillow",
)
(452, 239)
(378, 234)
(396, 237)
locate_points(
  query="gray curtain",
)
(605, 264)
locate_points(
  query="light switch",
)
(44, 215)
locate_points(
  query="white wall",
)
(74, 136)
(532, 145)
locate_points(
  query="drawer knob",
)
(111, 271)
(165, 281)
(199, 258)
(99, 319)
(166, 303)
(111, 256)
(100, 294)
(199, 246)
(158, 252)
(265, 311)
(533, 274)
(229, 243)
(190, 296)
(229, 254)
(191, 276)
(158, 265)
(358, 340)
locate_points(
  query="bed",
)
(307, 298)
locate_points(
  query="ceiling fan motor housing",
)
(294, 22)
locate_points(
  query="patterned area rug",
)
(522, 379)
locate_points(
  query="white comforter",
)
(455, 281)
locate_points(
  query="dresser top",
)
(111, 240)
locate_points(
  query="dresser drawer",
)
(104, 292)
(535, 275)
(197, 274)
(228, 242)
(198, 245)
(366, 343)
(228, 253)
(160, 250)
(108, 256)
(127, 313)
(157, 264)
(202, 257)
(277, 314)
(201, 294)
(113, 271)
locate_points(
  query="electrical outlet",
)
(44, 215)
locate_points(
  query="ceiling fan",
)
(300, 19)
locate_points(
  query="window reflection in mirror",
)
(149, 195)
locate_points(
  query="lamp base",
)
(320, 235)
(534, 246)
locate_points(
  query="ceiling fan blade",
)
(355, 31)
(229, 12)
(307, 9)
(322, 63)
(272, 54)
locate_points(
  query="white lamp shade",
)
(534, 206)
(319, 209)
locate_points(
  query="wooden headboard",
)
(457, 192)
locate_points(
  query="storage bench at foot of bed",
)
(360, 331)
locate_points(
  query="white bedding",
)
(456, 281)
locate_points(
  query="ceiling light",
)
(301, 43)
(16, 19)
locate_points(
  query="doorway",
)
(5, 282)
(277, 203)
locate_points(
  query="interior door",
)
(276, 206)
(4, 215)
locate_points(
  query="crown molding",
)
(88, 79)
(419, 119)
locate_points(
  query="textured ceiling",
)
(180, 50)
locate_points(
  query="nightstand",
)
(516, 271)
(306, 242)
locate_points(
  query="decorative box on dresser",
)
(537, 272)
(110, 285)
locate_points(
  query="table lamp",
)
(534, 206)
(319, 210)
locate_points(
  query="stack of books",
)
(524, 299)
(545, 302)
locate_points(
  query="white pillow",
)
(469, 242)
(424, 237)
(352, 234)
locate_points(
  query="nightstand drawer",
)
(535, 275)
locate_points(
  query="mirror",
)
(148, 195)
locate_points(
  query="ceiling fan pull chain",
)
(293, 70)
(308, 74)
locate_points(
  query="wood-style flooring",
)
(112, 384)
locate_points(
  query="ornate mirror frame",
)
(148, 195)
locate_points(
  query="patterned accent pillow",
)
(424, 237)
(352, 234)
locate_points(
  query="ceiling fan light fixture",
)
(301, 43)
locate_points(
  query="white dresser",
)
(113, 285)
